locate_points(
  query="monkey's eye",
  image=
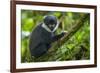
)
(52, 25)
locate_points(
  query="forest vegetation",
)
(75, 45)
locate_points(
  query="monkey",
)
(43, 36)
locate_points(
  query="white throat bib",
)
(46, 28)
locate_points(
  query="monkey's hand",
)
(57, 37)
(64, 32)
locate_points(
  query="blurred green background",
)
(76, 48)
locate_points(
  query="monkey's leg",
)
(39, 50)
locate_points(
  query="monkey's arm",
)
(57, 37)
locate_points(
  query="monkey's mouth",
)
(51, 26)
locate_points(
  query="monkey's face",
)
(50, 21)
(51, 26)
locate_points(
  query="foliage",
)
(76, 48)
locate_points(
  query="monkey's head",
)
(50, 21)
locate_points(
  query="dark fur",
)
(40, 41)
